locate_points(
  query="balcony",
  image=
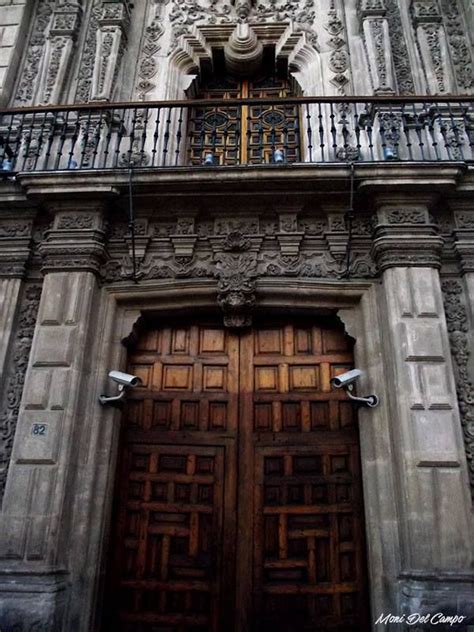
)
(219, 134)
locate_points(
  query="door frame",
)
(119, 317)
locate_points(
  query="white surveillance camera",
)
(124, 381)
(343, 380)
(124, 378)
(346, 381)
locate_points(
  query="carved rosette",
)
(458, 328)
(405, 237)
(75, 242)
(339, 58)
(150, 47)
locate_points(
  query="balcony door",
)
(239, 504)
(241, 133)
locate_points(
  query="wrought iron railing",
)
(212, 133)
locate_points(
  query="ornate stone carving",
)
(59, 48)
(113, 21)
(236, 272)
(458, 328)
(86, 69)
(150, 46)
(184, 14)
(34, 53)
(400, 56)
(339, 58)
(430, 41)
(14, 380)
(406, 216)
(459, 46)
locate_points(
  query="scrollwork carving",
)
(15, 377)
(458, 328)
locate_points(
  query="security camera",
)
(346, 381)
(124, 378)
(124, 381)
(343, 380)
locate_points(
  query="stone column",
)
(434, 501)
(35, 523)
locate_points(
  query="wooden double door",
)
(238, 503)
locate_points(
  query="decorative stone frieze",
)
(14, 374)
(458, 328)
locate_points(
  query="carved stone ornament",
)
(400, 56)
(458, 328)
(236, 272)
(339, 58)
(30, 72)
(459, 45)
(15, 376)
(187, 13)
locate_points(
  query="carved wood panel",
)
(239, 501)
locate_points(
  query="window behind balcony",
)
(239, 133)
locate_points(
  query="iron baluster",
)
(321, 132)
(309, 133)
(108, 138)
(120, 135)
(156, 135)
(333, 132)
(166, 137)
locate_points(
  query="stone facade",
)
(73, 285)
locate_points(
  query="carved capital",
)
(76, 240)
(425, 11)
(15, 246)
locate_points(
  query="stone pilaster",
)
(59, 50)
(110, 41)
(375, 27)
(432, 44)
(426, 427)
(36, 509)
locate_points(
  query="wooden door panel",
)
(302, 456)
(308, 544)
(170, 535)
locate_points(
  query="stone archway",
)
(119, 314)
